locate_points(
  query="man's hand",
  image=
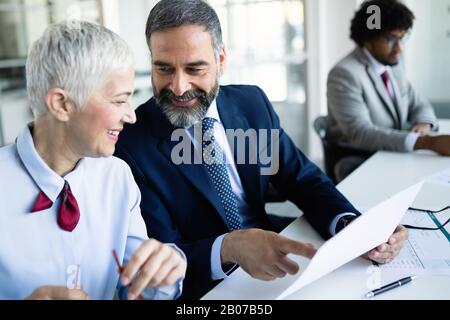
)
(156, 264)
(263, 254)
(439, 144)
(58, 293)
(388, 251)
(423, 129)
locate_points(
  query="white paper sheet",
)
(425, 252)
(442, 178)
(365, 233)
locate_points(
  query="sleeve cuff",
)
(430, 120)
(170, 292)
(410, 141)
(336, 220)
(217, 273)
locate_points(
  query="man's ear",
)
(59, 104)
(222, 60)
(368, 46)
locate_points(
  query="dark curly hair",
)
(394, 16)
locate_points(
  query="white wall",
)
(328, 31)
(335, 41)
(427, 56)
(133, 29)
(128, 19)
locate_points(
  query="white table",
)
(380, 177)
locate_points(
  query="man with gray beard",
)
(214, 209)
(181, 116)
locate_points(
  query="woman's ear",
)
(59, 104)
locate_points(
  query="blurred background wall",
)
(286, 47)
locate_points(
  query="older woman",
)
(65, 202)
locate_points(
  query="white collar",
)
(45, 178)
(212, 113)
(376, 65)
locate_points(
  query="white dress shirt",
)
(248, 219)
(35, 252)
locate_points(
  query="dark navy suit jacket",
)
(179, 203)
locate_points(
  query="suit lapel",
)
(195, 173)
(233, 119)
(383, 94)
(378, 85)
(401, 104)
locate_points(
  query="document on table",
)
(365, 233)
(426, 251)
(442, 178)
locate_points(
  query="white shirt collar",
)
(45, 178)
(376, 65)
(212, 113)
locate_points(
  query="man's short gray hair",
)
(76, 56)
(168, 14)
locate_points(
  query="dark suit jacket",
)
(179, 202)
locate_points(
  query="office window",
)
(266, 47)
(264, 40)
(21, 23)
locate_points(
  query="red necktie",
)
(385, 77)
(68, 214)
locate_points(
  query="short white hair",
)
(76, 56)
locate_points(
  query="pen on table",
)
(120, 268)
(390, 286)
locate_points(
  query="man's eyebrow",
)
(161, 63)
(199, 63)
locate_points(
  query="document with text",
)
(426, 251)
(365, 233)
(442, 178)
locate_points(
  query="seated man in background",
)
(65, 202)
(371, 105)
(215, 210)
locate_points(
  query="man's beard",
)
(185, 116)
(386, 61)
(390, 63)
